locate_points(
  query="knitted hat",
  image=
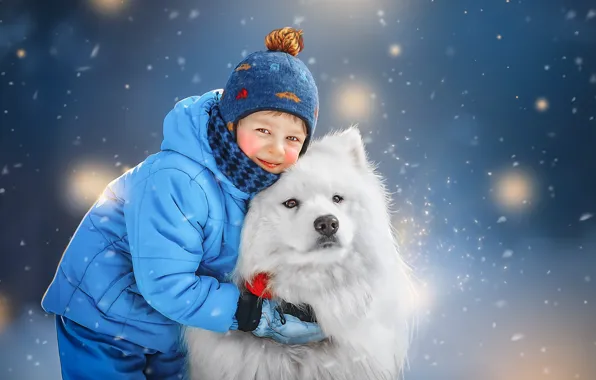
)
(273, 80)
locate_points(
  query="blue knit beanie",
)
(273, 80)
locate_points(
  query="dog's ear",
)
(355, 146)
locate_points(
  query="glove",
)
(286, 328)
(265, 319)
(304, 313)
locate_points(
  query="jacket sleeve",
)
(165, 218)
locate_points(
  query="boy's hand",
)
(286, 328)
(264, 319)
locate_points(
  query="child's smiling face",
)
(271, 139)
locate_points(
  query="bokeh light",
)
(85, 185)
(5, 313)
(21, 53)
(108, 6)
(540, 363)
(354, 102)
(514, 190)
(394, 50)
(541, 104)
(422, 299)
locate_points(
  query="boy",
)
(156, 250)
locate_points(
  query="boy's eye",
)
(263, 130)
(290, 203)
(293, 138)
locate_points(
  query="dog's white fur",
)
(360, 290)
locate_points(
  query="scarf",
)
(243, 172)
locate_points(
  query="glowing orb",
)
(541, 104)
(21, 53)
(354, 102)
(5, 313)
(394, 50)
(85, 185)
(423, 297)
(107, 6)
(514, 190)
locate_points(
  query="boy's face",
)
(271, 140)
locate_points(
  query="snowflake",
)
(94, 51)
(585, 216)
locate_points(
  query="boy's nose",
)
(276, 149)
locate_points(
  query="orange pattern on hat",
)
(288, 95)
(244, 66)
(230, 126)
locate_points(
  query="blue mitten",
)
(285, 328)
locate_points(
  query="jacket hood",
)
(185, 132)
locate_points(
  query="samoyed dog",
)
(323, 234)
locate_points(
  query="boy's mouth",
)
(268, 164)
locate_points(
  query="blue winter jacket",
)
(156, 249)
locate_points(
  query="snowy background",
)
(481, 115)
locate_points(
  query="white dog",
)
(323, 233)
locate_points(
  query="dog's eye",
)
(337, 198)
(291, 203)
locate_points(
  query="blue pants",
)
(86, 354)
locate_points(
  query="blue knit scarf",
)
(243, 172)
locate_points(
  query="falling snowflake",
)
(507, 254)
(94, 51)
(585, 216)
(570, 15)
(216, 312)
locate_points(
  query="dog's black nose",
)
(326, 225)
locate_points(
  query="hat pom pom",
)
(287, 40)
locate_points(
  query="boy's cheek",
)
(291, 155)
(248, 144)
